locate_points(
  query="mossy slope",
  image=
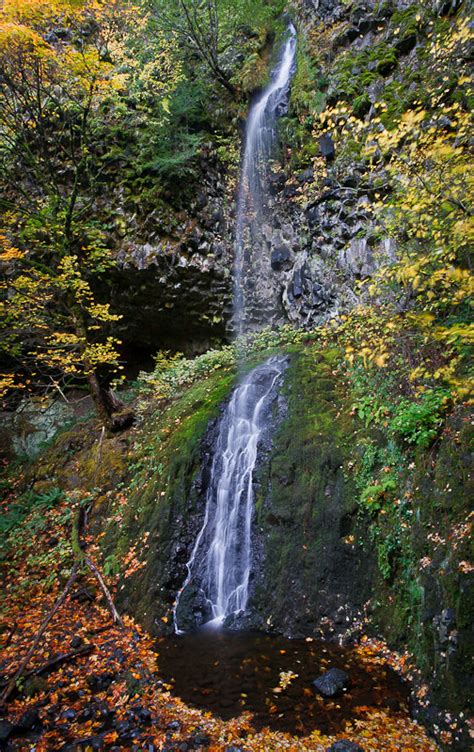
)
(315, 575)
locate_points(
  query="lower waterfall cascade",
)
(221, 558)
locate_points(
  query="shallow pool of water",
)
(230, 672)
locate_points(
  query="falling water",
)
(220, 563)
(253, 302)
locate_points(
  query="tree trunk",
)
(100, 400)
(113, 413)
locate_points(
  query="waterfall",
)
(219, 567)
(221, 559)
(253, 302)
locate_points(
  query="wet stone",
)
(99, 682)
(326, 146)
(68, 715)
(96, 743)
(29, 720)
(200, 740)
(344, 745)
(143, 714)
(280, 256)
(6, 729)
(332, 682)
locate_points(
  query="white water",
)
(220, 564)
(221, 559)
(251, 262)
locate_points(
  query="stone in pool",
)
(344, 745)
(332, 682)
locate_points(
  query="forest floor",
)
(93, 685)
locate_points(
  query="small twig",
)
(95, 571)
(99, 455)
(56, 386)
(79, 546)
(10, 635)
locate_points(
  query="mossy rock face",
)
(81, 457)
(312, 576)
(165, 502)
(428, 605)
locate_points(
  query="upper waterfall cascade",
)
(220, 564)
(254, 302)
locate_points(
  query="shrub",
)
(418, 423)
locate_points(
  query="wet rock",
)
(367, 23)
(297, 284)
(68, 715)
(350, 181)
(6, 729)
(200, 740)
(142, 714)
(123, 728)
(290, 191)
(99, 682)
(76, 642)
(25, 431)
(174, 726)
(306, 176)
(344, 745)
(326, 147)
(332, 682)
(279, 257)
(276, 182)
(193, 609)
(29, 720)
(405, 45)
(97, 711)
(194, 241)
(387, 251)
(201, 201)
(58, 34)
(357, 259)
(96, 743)
(346, 37)
(127, 731)
(444, 623)
(374, 91)
(312, 215)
